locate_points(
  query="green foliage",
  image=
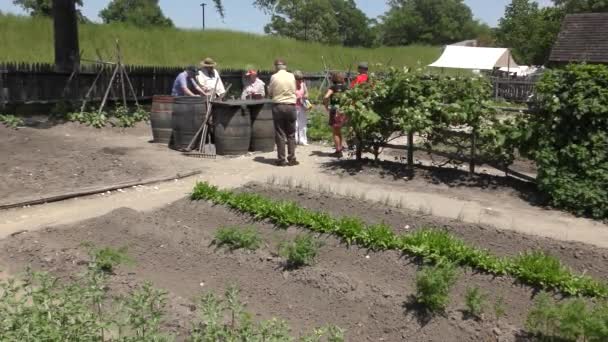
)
(434, 245)
(238, 238)
(141, 13)
(119, 117)
(433, 285)
(11, 121)
(499, 308)
(301, 251)
(571, 320)
(107, 258)
(318, 127)
(530, 30)
(37, 8)
(326, 21)
(475, 301)
(428, 22)
(225, 319)
(179, 47)
(567, 136)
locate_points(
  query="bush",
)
(238, 238)
(318, 127)
(433, 285)
(11, 121)
(107, 258)
(567, 136)
(302, 251)
(571, 320)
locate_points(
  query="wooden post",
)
(410, 151)
(65, 24)
(473, 152)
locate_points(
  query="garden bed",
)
(367, 293)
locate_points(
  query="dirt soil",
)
(46, 161)
(368, 294)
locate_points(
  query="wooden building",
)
(583, 38)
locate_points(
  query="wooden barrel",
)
(188, 116)
(160, 118)
(232, 129)
(262, 128)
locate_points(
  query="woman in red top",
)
(362, 77)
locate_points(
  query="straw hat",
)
(208, 63)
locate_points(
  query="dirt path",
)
(485, 201)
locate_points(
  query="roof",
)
(475, 58)
(583, 38)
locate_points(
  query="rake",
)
(205, 148)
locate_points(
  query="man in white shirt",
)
(254, 88)
(210, 79)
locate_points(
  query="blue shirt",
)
(180, 83)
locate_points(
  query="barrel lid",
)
(238, 103)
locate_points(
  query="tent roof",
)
(476, 58)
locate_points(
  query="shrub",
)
(107, 258)
(318, 127)
(433, 285)
(475, 301)
(567, 136)
(302, 251)
(570, 320)
(11, 121)
(237, 238)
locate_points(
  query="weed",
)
(433, 285)
(107, 258)
(499, 308)
(11, 121)
(475, 301)
(302, 251)
(238, 238)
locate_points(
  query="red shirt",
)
(361, 78)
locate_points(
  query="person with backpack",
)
(337, 119)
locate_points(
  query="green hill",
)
(24, 39)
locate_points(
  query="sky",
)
(242, 16)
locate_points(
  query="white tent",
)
(475, 58)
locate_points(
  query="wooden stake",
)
(105, 97)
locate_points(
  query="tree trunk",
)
(410, 151)
(473, 151)
(65, 24)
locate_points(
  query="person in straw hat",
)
(210, 79)
(254, 88)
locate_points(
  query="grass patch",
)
(535, 269)
(238, 238)
(26, 39)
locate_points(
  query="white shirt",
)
(207, 82)
(251, 88)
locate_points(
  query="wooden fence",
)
(22, 83)
(513, 90)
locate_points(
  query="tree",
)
(428, 22)
(44, 8)
(582, 6)
(325, 21)
(137, 12)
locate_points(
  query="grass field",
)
(23, 39)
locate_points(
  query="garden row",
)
(565, 132)
(534, 268)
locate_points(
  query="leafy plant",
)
(570, 320)
(107, 258)
(475, 301)
(121, 117)
(434, 245)
(433, 285)
(499, 308)
(318, 126)
(238, 238)
(302, 251)
(11, 121)
(225, 319)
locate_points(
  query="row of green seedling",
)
(533, 268)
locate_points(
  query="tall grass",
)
(25, 39)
